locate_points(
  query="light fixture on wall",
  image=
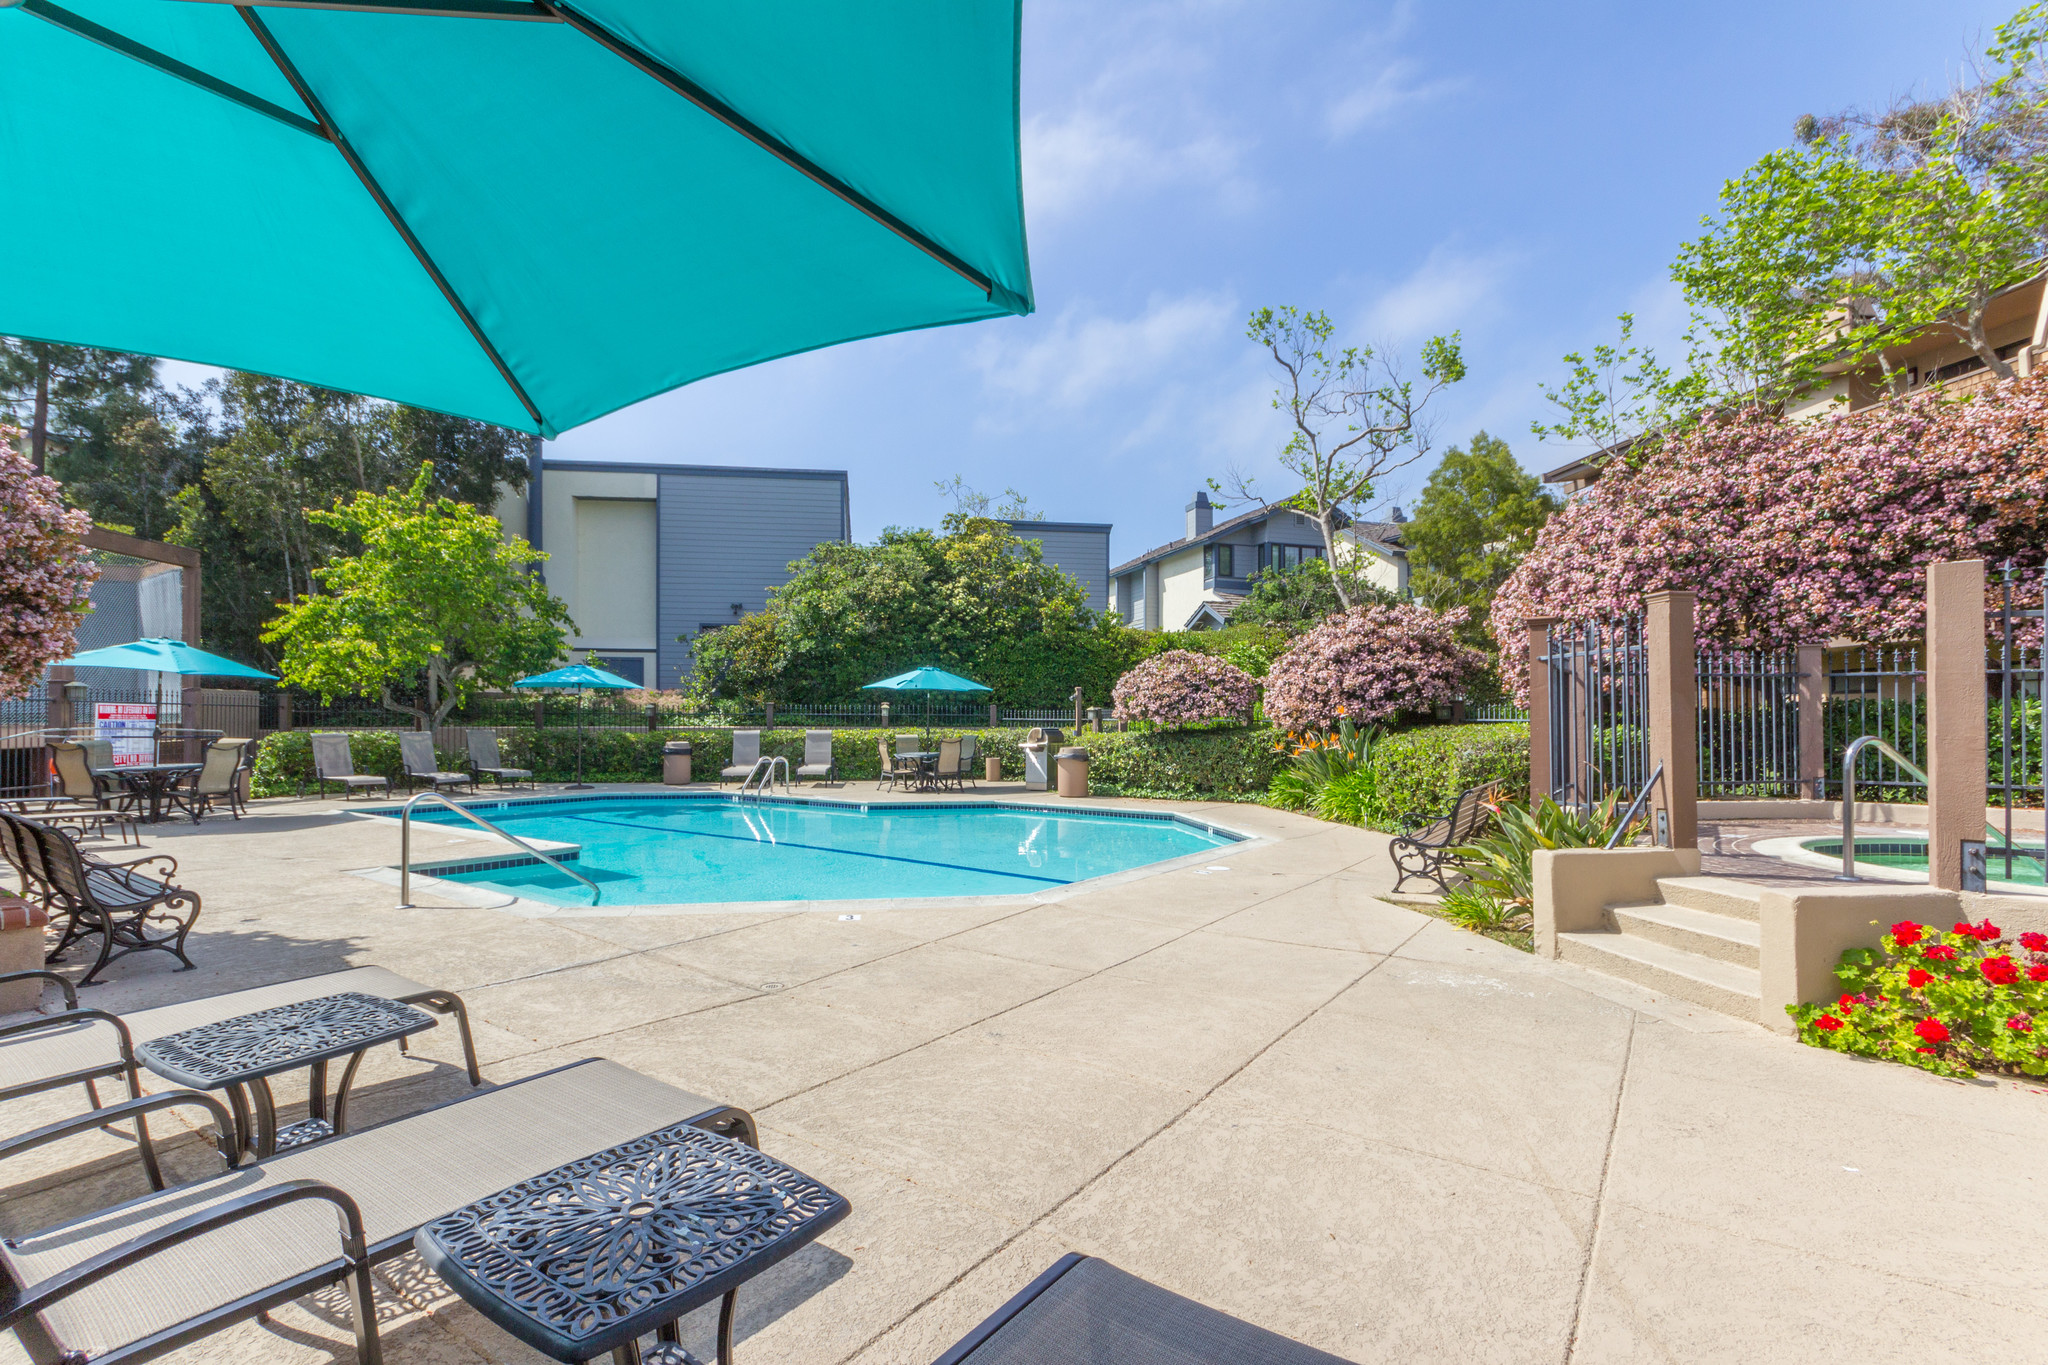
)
(739, 609)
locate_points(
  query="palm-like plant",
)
(1501, 865)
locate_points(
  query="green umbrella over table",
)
(580, 677)
(927, 681)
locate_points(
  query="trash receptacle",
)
(1039, 746)
(1073, 774)
(675, 763)
(993, 768)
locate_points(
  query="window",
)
(631, 667)
(1223, 561)
(1292, 556)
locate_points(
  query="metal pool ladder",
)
(764, 770)
(405, 847)
(1854, 752)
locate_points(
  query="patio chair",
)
(818, 761)
(485, 762)
(86, 799)
(117, 902)
(1085, 1311)
(219, 779)
(895, 768)
(333, 762)
(746, 752)
(947, 770)
(907, 745)
(416, 755)
(145, 1277)
(1424, 851)
(970, 757)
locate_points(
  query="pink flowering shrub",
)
(1796, 532)
(46, 574)
(1371, 664)
(1181, 687)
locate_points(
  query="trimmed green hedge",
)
(1233, 763)
(1423, 770)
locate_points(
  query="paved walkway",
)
(1263, 1087)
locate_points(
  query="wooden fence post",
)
(1958, 749)
(1674, 720)
(284, 708)
(1813, 719)
(1539, 707)
(992, 722)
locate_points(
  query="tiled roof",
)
(1252, 517)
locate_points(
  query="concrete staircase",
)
(1698, 942)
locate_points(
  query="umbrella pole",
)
(579, 740)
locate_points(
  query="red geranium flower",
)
(2000, 970)
(2034, 943)
(1917, 977)
(2019, 1023)
(1827, 1023)
(2038, 972)
(1941, 952)
(1907, 933)
(1987, 931)
(1933, 1030)
(1923, 1049)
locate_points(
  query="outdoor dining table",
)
(239, 1056)
(151, 780)
(593, 1255)
(927, 769)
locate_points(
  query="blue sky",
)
(1519, 172)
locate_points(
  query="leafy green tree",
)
(1302, 597)
(970, 502)
(432, 597)
(49, 388)
(1478, 517)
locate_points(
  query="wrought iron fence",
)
(2017, 778)
(1875, 690)
(1598, 714)
(1748, 722)
(1494, 713)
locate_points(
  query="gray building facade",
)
(1079, 547)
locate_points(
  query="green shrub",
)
(1500, 863)
(1234, 763)
(1346, 798)
(635, 755)
(1421, 771)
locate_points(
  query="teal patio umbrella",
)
(160, 656)
(529, 212)
(580, 677)
(927, 681)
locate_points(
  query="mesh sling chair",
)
(485, 762)
(948, 770)
(333, 762)
(818, 761)
(416, 754)
(1425, 850)
(746, 752)
(116, 902)
(970, 754)
(218, 779)
(142, 1278)
(84, 801)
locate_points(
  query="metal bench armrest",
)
(72, 1016)
(63, 983)
(170, 869)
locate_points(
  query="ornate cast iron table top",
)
(601, 1251)
(250, 1047)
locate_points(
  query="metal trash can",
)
(1039, 745)
(993, 769)
(675, 763)
(1073, 774)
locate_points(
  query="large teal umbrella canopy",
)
(523, 211)
(578, 676)
(927, 680)
(164, 656)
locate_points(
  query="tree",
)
(1355, 418)
(1479, 516)
(969, 503)
(48, 386)
(437, 600)
(1371, 664)
(1299, 598)
(46, 574)
(1616, 395)
(1179, 687)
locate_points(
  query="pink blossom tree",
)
(1371, 664)
(1795, 532)
(1181, 687)
(46, 573)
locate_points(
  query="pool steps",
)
(1699, 942)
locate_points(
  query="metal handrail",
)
(1849, 757)
(1630, 814)
(764, 768)
(405, 847)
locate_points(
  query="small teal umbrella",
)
(927, 681)
(579, 677)
(164, 656)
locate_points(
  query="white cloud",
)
(1392, 89)
(1443, 294)
(1079, 356)
(1085, 155)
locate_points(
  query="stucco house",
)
(1194, 582)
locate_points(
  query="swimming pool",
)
(704, 849)
(1903, 857)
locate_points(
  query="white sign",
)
(131, 727)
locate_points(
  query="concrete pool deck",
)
(1266, 1088)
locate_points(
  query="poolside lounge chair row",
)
(334, 761)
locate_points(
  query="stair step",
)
(1719, 986)
(1721, 937)
(1715, 895)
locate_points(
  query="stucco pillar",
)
(1674, 720)
(1539, 706)
(1957, 747)
(1813, 719)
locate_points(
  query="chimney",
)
(1201, 516)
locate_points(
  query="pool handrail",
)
(1849, 757)
(405, 847)
(1628, 816)
(764, 768)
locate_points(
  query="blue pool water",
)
(697, 850)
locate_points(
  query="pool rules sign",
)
(130, 727)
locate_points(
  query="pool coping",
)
(523, 907)
(1790, 849)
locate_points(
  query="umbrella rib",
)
(341, 144)
(766, 141)
(120, 42)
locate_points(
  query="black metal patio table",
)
(152, 781)
(239, 1056)
(591, 1256)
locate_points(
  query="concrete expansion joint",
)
(1628, 1056)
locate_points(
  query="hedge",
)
(1234, 762)
(1422, 770)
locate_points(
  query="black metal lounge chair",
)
(422, 768)
(333, 762)
(117, 902)
(1425, 849)
(142, 1278)
(485, 762)
(818, 761)
(1087, 1312)
(219, 779)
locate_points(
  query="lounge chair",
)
(332, 762)
(219, 779)
(1425, 850)
(155, 1273)
(818, 761)
(117, 902)
(1085, 1311)
(484, 761)
(746, 752)
(947, 770)
(87, 800)
(416, 754)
